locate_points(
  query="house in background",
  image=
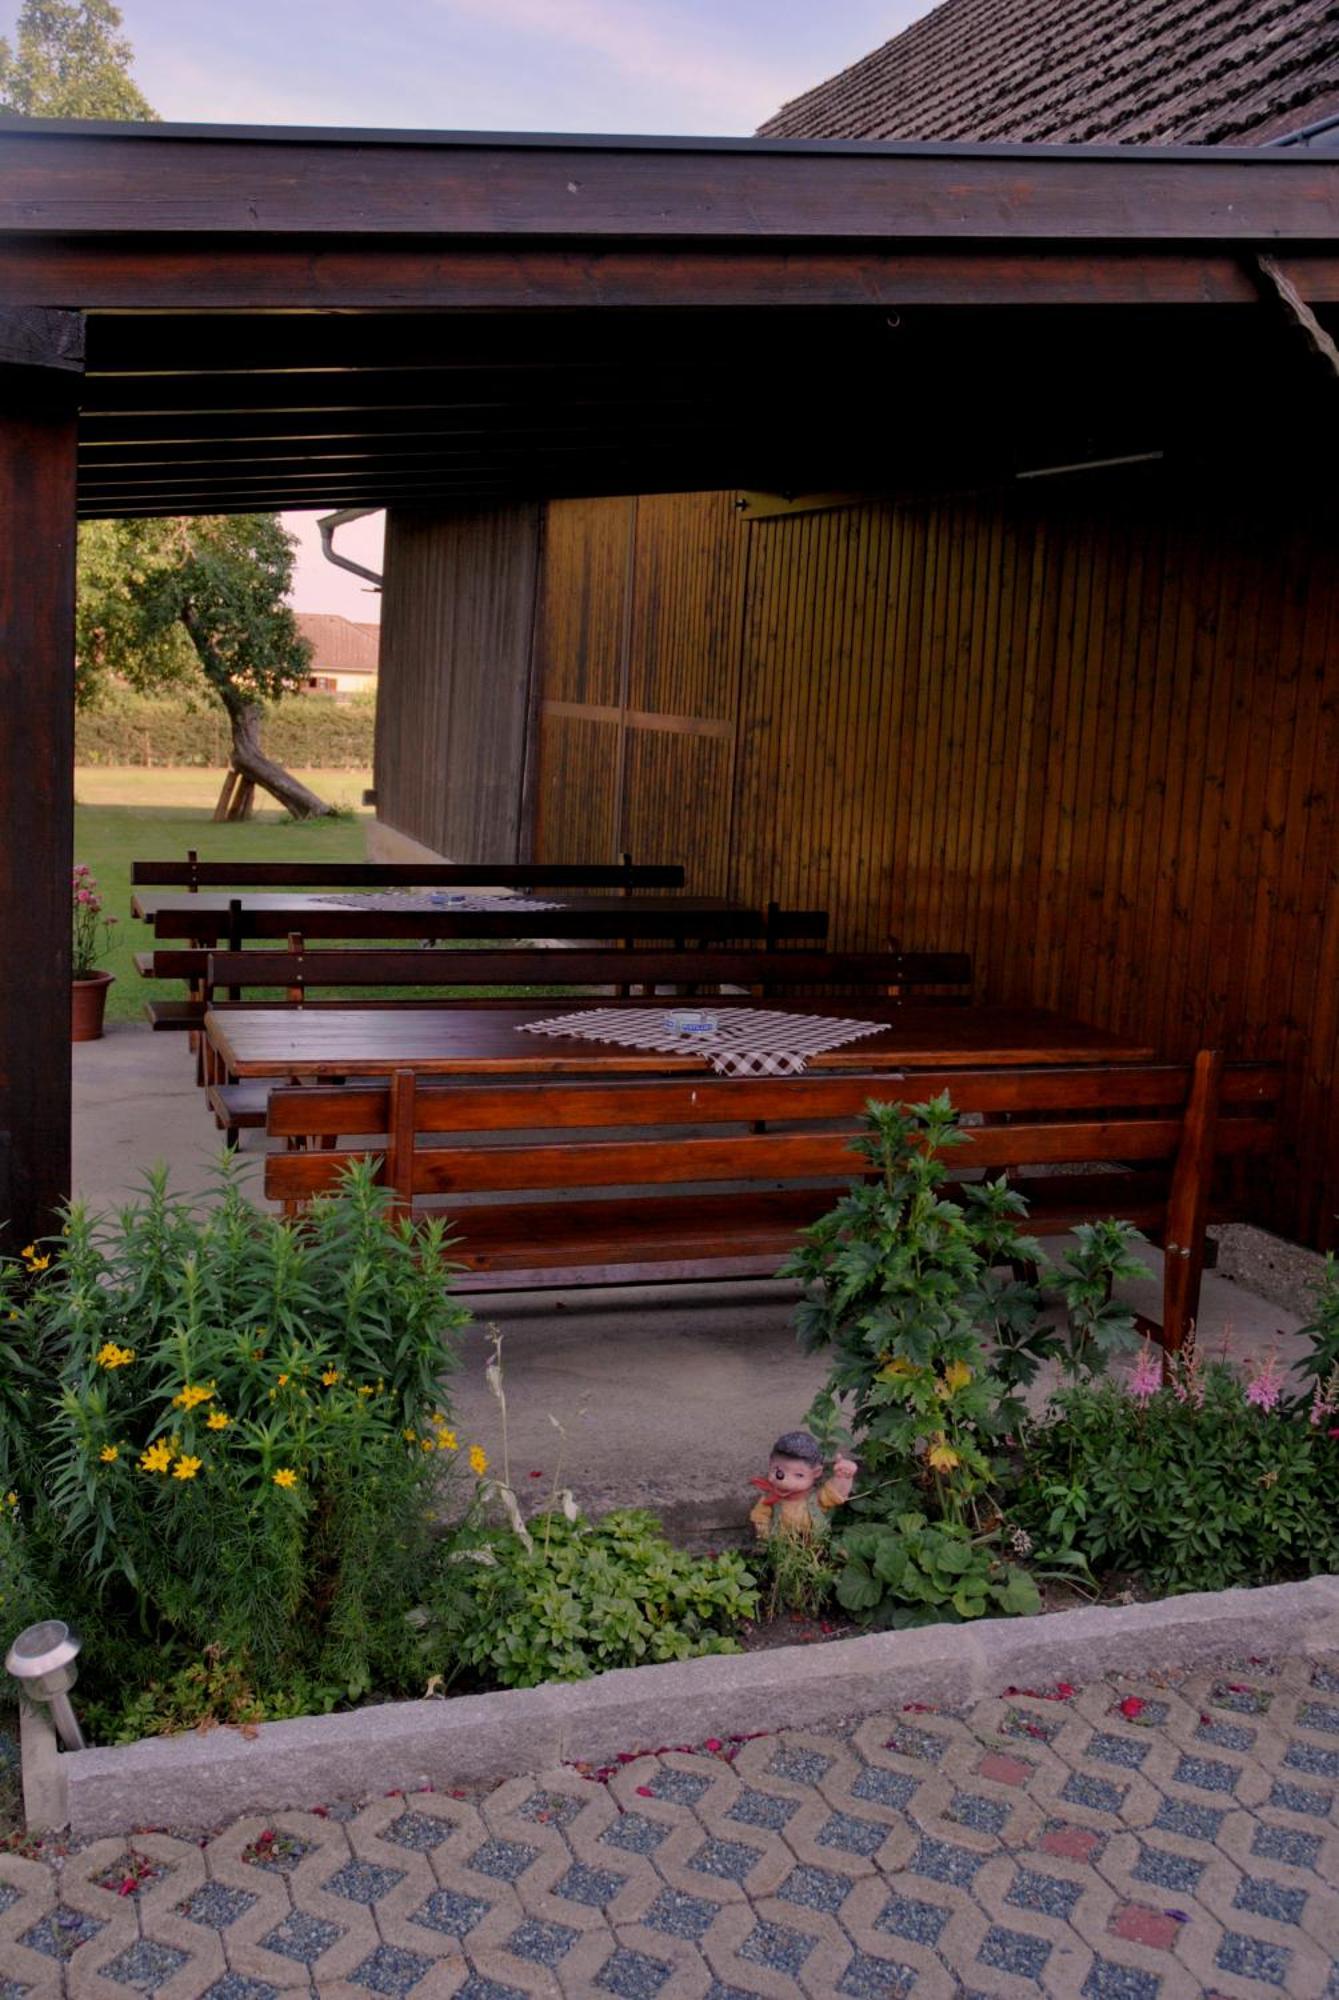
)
(1059, 687)
(344, 654)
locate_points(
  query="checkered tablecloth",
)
(426, 900)
(747, 1041)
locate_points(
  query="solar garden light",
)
(42, 1661)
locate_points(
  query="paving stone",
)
(145, 1966)
(450, 1912)
(392, 1970)
(216, 1905)
(1071, 1843)
(1002, 1770)
(1286, 1843)
(541, 1943)
(870, 1978)
(1014, 1951)
(1139, 1923)
(1253, 1958)
(1266, 1898)
(1050, 1895)
(632, 1975)
(361, 1882)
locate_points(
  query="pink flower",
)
(1146, 1379)
(1132, 1707)
(1266, 1385)
(83, 897)
(81, 870)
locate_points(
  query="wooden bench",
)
(299, 973)
(193, 874)
(1168, 1140)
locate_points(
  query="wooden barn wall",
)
(1090, 736)
(453, 690)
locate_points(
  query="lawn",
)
(110, 837)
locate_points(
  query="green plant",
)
(230, 1438)
(907, 1288)
(1098, 1329)
(90, 929)
(1187, 1487)
(797, 1574)
(565, 1597)
(1320, 1365)
(916, 1572)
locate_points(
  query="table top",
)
(147, 903)
(465, 1041)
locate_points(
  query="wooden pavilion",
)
(468, 329)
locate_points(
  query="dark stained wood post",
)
(41, 366)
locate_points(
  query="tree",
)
(69, 59)
(165, 602)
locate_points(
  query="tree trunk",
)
(251, 761)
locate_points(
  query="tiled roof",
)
(339, 645)
(1137, 72)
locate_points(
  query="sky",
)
(695, 67)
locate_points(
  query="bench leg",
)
(1188, 1203)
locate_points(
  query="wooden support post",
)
(1188, 1203)
(40, 374)
(400, 1150)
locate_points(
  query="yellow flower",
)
(191, 1395)
(425, 1444)
(285, 1476)
(109, 1355)
(956, 1376)
(109, 1454)
(330, 1377)
(365, 1390)
(14, 1315)
(38, 1263)
(186, 1468)
(157, 1458)
(942, 1455)
(478, 1461)
(11, 1499)
(898, 1367)
(411, 1437)
(283, 1381)
(446, 1439)
(29, 1250)
(217, 1421)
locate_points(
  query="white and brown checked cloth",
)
(425, 900)
(746, 1041)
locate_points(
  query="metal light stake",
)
(42, 1661)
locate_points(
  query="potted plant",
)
(88, 991)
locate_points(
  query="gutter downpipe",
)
(327, 524)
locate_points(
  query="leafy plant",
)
(916, 1572)
(91, 930)
(797, 1574)
(1188, 1487)
(228, 1437)
(567, 1597)
(1321, 1364)
(1098, 1329)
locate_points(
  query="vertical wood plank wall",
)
(1090, 735)
(453, 692)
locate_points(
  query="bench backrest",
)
(1131, 1114)
(299, 971)
(193, 874)
(673, 920)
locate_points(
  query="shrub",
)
(915, 1572)
(1190, 1486)
(566, 1597)
(310, 729)
(222, 1437)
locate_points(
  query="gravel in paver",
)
(634, 1833)
(1253, 1958)
(779, 1949)
(982, 1814)
(681, 1916)
(1311, 1758)
(765, 1809)
(1192, 1822)
(732, 1860)
(1225, 1735)
(391, 1970)
(869, 1978)
(816, 1889)
(1319, 1715)
(1266, 1898)
(632, 1975)
(551, 1809)
(1165, 1870)
(595, 1887)
(1109, 1981)
(504, 1860)
(852, 1835)
(363, 1882)
(1079, 1789)
(447, 1911)
(1014, 1951)
(216, 1905)
(1302, 1799)
(885, 1788)
(145, 1966)
(8, 1896)
(1287, 1843)
(13, 1989)
(1127, 1751)
(1207, 1774)
(541, 1943)
(680, 1788)
(302, 1937)
(802, 1767)
(919, 1743)
(60, 1935)
(476, 1987)
(1050, 1895)
(422, 1833)
(941, 1861)
(233, 1986)
(906, 1917)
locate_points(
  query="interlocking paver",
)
(1157, 1839)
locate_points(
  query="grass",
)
(198, 787)
(109, 837)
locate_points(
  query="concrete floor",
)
(667, 1397)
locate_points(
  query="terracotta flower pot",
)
(88, 997)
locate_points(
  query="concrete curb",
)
(197, 1782)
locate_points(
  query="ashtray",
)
(691, 1021)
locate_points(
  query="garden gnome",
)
(795, 1497)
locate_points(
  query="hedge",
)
(311, 731)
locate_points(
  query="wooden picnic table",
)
(213, 905)
(330, 1042)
